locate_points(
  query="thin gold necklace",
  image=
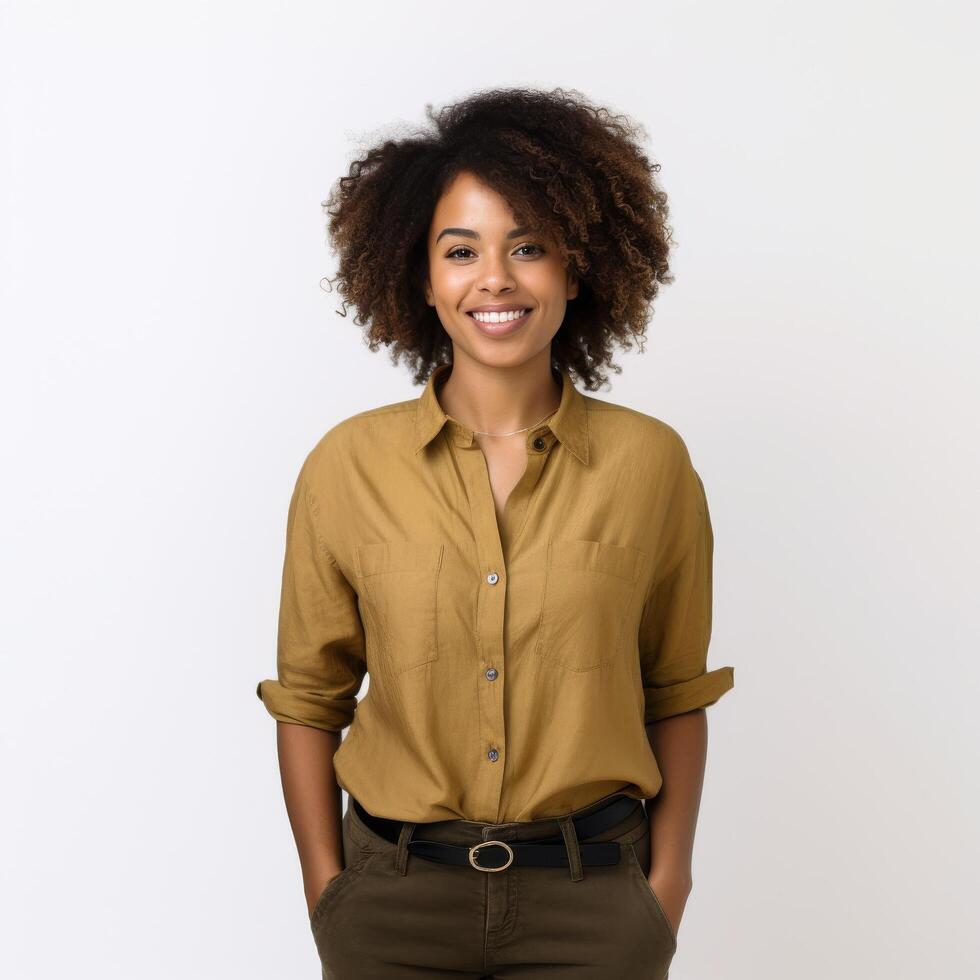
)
(514, 433)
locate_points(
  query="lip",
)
(498, 329)
(498, 308)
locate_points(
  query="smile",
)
(499, 317)
(499, 324)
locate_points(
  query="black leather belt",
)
(497, 855)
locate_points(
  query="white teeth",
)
(498, 317)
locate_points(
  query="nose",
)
(495, 275)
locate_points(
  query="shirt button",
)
(538, 443)
(492, 578)
(493, 755)
(491, 674)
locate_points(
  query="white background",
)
(168, 359)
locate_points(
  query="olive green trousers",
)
(393, 914)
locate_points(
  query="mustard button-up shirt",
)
(512, 663)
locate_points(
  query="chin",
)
(497, 357)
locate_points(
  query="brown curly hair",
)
(572, 169)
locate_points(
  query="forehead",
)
(468, 196)
(468, 203)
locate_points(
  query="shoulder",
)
(646, 437)
(389, 424)
(655, 455)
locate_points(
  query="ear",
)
(572, 290)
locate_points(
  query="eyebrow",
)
(469, 233)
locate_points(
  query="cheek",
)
(449, 285)
(548, 280)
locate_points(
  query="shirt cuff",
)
(306, 707)
(699, 692)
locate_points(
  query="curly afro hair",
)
(565, 166)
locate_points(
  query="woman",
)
(523, 570)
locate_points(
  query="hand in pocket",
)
(313, 897)
(671, 894)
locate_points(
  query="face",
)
(479, 262)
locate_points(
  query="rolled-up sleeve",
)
(320, 652)
(676, 625)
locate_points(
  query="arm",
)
(680, 745)
(320, 667)
(313, 803)
(674, 638)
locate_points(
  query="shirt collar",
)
(570, 423)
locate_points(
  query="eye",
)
(456, 252)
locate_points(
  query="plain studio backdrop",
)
(169, 358)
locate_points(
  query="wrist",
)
(320, 871)
(680, 877)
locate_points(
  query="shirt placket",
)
(491, 606)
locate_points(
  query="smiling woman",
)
(579, 193)
(523, 570)
(522, 272)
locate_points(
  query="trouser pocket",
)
(357, 854)
(636, 857)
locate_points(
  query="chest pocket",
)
(587, 593)
(399, 584)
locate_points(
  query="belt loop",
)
(571, 845)
(401, 855)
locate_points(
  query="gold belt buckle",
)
(487, 843)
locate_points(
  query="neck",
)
(500, 400)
